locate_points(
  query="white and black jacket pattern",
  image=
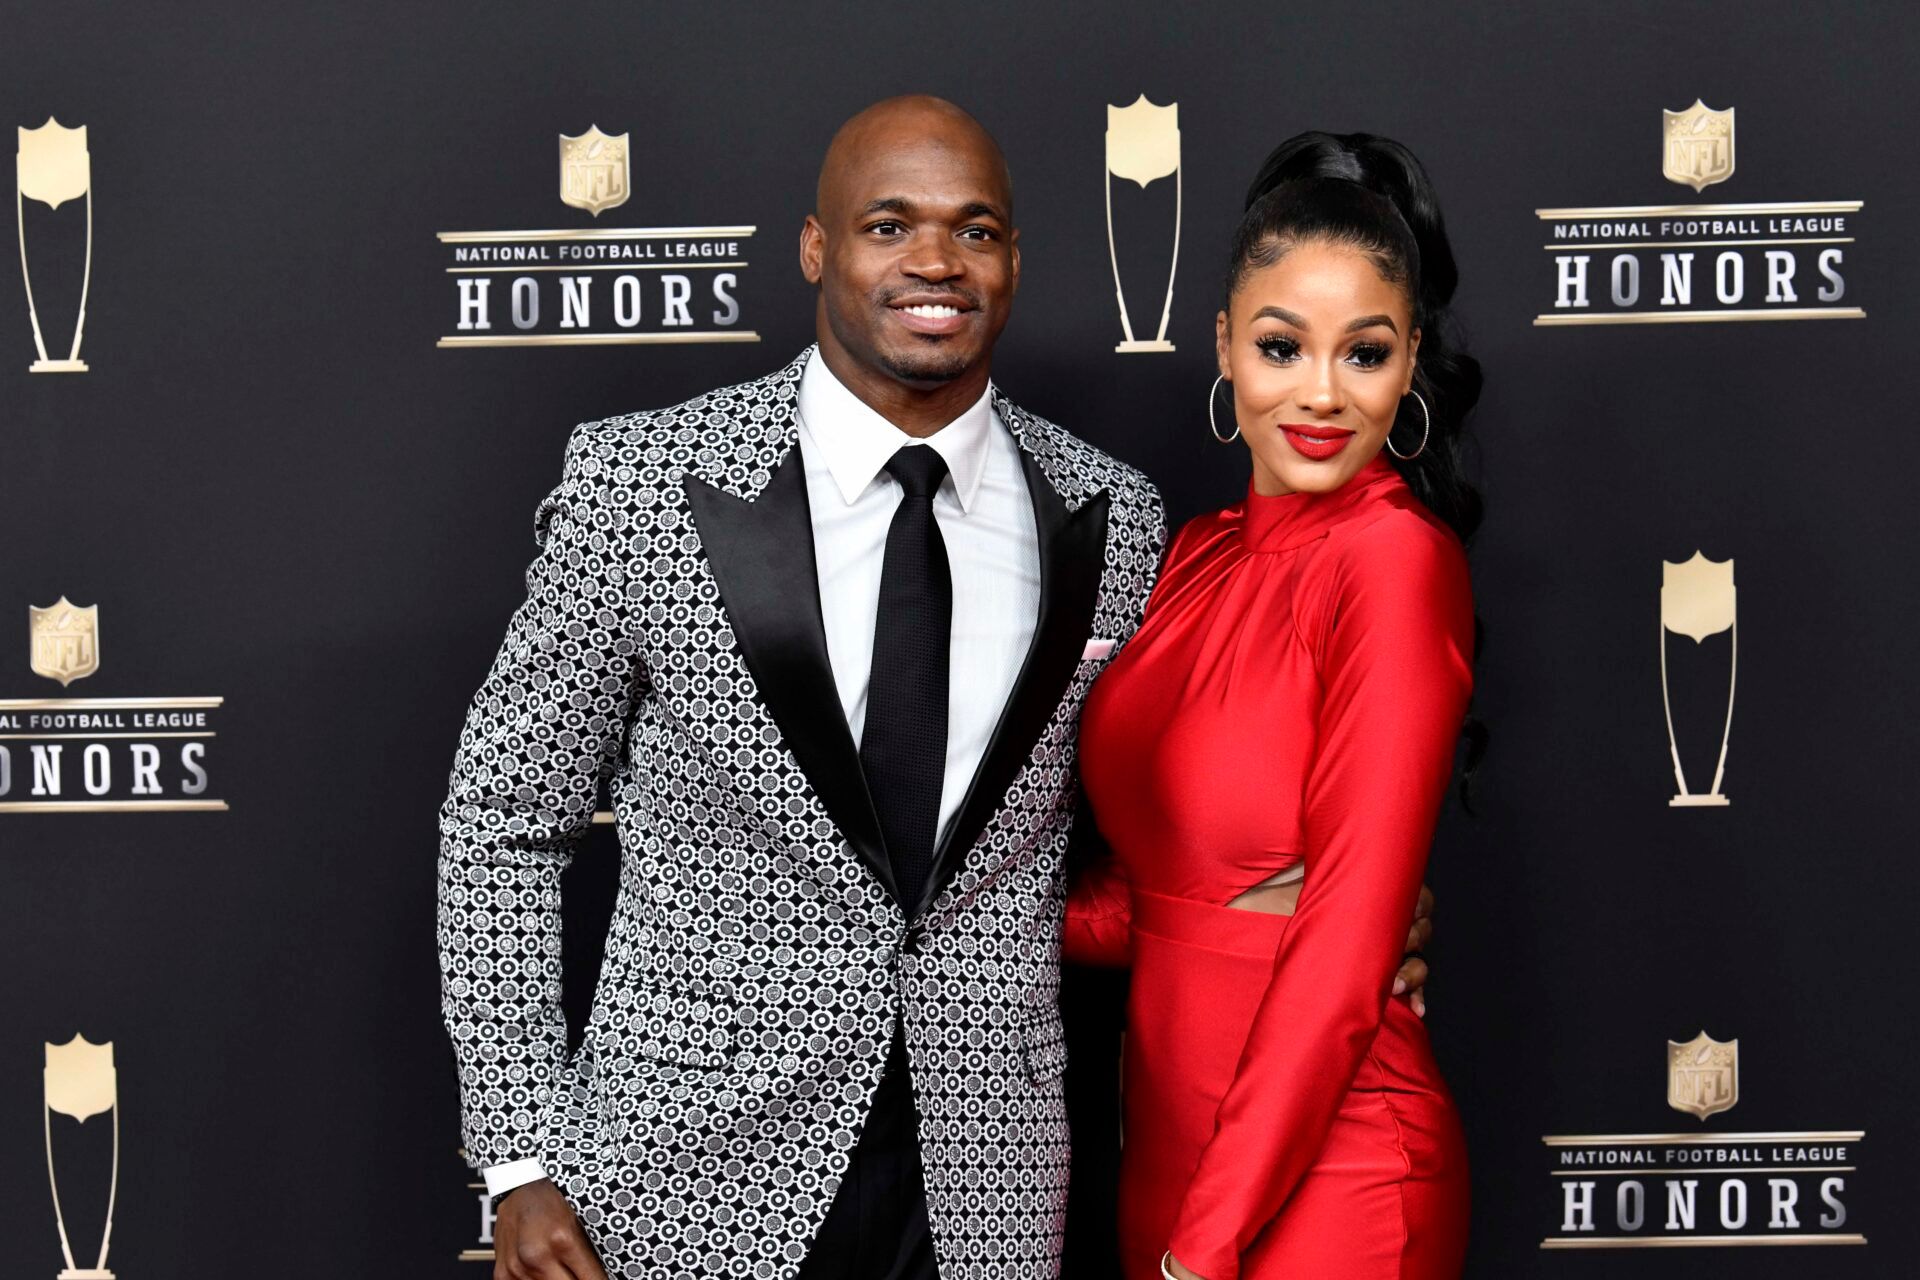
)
(671, 642)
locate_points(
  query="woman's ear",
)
(1413, 359)
(1220, 345)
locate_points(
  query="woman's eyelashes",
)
(1282, 349)
(1277, 347)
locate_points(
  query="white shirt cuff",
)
(502, 1178)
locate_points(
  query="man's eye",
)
(886, 228)
(979, 233)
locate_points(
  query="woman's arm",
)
(1099, 924)
(1395, 652)
(1099, 927)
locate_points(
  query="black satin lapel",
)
(761, 553)
(1073, 548)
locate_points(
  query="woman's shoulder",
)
(1395, 537)
(1398, 566)
(1203, 534)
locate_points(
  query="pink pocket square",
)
(1096, 649)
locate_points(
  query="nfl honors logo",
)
(1695, 261)
(597, 285)
(1699, 146)
(1703, 1075)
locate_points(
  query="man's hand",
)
(1411, 981)
(537, 1237)
(1413, 974)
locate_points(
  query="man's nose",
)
(932, 257)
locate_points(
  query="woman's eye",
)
(1369, 355)
(1276, 346)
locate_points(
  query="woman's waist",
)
(1207, 924)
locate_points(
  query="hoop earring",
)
(1424, 433)
(1212, 392)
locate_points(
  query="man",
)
(828, 634)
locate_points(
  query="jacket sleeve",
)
(1395, 661)
(547, 723)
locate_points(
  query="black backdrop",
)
(279, 491)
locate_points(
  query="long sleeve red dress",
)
(1294, 693)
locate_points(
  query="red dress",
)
(1294, 693)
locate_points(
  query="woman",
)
(1288, 712)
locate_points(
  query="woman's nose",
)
(1321, 392)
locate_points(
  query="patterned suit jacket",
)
(671, 642)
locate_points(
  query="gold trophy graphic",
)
(1143, 145)
(53, 167)
(1697, 600)
(81, 1082)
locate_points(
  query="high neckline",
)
(1280, 522)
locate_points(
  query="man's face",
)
(915, 252)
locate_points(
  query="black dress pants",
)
(877, 1227)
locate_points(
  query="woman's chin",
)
(1303, 475)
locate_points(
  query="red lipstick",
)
(1315, 440)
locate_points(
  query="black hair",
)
(1372, 193)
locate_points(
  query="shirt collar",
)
(855, 442)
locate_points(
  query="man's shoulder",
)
(1130, 492)
(677, 431)
(732, 431)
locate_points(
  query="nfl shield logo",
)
(593, 170)
(1703, 1075)
(1699, 146)
(66, 640)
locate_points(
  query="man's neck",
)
(918, 411)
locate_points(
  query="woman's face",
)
(1319, 349)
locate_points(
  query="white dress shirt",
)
(993, 549)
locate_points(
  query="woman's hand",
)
(1179, 1272)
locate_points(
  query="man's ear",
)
(1013, 244)
(813, 247)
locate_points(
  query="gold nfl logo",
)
(1699, 146)
(66, 640)
(1703, 1075)
(593, 170)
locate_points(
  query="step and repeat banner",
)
(306, 301)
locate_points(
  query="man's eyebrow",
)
(903, 206)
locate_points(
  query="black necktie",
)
(903, 746)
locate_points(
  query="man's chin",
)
(931, 363)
